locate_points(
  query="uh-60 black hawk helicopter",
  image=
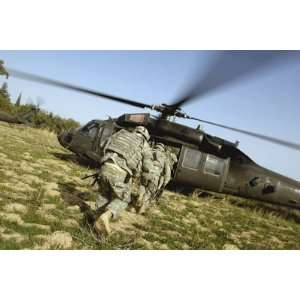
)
(204, 161)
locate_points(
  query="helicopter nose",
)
(65, 138)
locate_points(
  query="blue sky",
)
(267, 102)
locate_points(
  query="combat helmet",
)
(143, 131)
(160, 146)
(172, 156)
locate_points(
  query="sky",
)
(267, 101)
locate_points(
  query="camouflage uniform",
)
(2, 69)
(126, 154)
(153, 182)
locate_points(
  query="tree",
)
(4, 91)
(2, 69)
(5, 103)
(18, 102)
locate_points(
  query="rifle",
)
(96, 177)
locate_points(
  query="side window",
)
(213, 165)
(191, 159)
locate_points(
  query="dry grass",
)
(40, 186)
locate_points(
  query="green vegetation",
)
(40, 184)
(33, 114)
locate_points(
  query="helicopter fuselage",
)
(204, 161)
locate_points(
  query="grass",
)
(40, 186)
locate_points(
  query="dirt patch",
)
(30, 179)
(47, 216)
(155, 211)
(162, 246)
(128, 221)
(70, 223)
(178, 206)
(202, 228)
(92, 204)
(4, 160)
(18, 186)
(248, 234)
(230, 247)
(57, 240)
(277, 241)
(218, 223)
(10, 174)
(27, 155)
(12, 217)
(12, 236)
(73, 209)
(185, 246)
(24, 166)
(51, 189)
(144, 243)
(190, 219)
(15, 207)
(38, 226)
(173, 234)
(3, 156)
(54, 163)
(48, 206)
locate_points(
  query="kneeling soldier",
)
(124, 154)
(154, 182)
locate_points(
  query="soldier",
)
(154, 182)
(125, 155)
(2, 69)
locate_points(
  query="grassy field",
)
(40, 187)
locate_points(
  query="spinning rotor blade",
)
(56, 83)
(226, 69)
(253, 134)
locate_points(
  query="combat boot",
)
(142, 209)
(102, 223)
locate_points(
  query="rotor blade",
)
(227, 68)
(253, 134)
(56, 83)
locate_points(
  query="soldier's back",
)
(127, 145)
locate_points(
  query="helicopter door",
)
(199, 169)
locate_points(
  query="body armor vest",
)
(128, 145)
(160, 158)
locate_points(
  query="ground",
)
(41, 187)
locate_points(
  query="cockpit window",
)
(93, 131)
(90, 129)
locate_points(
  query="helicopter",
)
(204, 161)
(24, 118)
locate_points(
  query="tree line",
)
(33, 114)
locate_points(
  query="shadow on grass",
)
(267, 208)
(72, 196)
(71, 157)
(250, 204)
